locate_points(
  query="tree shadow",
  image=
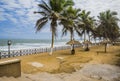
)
(64, 54)
(117, 62)
(83, 50)
(103, 52)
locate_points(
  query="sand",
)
(83, 66)
(36, 64)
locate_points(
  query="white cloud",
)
(20, 12)
(25, 3)
(97, 6)
(10, 5)
(10, 17)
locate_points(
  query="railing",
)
(15, 53)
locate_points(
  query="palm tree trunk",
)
(95, 40)
(105, 47)
(52, 43)
(71, 36)
(89, 36)
(84, 36)
(72, 46)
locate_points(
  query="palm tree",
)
(51, 12)
(69, 22)
(88, 21)
(88, 25)
(108, 26)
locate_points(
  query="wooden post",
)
(20, 53)
(46, 49)
(105, 47)
(35, 51)
(0, 55)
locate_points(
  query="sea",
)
(19, 44)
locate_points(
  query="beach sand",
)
(79, 67)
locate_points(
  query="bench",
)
(10, 68)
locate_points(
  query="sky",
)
(18, 21)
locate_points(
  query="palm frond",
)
(64, 31)
(40, 23)
(44, 7)
(68, 3)
(43, 13)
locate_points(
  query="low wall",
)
(10, 68)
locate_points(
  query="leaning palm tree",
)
(51, 12)
(69, 22)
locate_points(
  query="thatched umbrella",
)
(105, 42)
(117, 40)
(73, 42)
(87, 43)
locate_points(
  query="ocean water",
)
(19, 44)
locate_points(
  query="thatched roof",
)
(87, 42)
(105, 41)
(73, 42)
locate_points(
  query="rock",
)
(101, 71)
(89, 72)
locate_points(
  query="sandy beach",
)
(93, 65)
(59, 40)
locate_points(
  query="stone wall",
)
(10, 68)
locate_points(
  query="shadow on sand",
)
(117, 62)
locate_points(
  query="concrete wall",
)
(10, 68)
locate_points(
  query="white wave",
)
(20, 46)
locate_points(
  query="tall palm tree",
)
(51, 12)
(108, 27)
(87, 27)
(88, 21)
(69, 22)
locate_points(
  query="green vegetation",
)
(77, 20)
(51, 11)
(108, 25)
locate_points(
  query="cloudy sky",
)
(18, 21)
